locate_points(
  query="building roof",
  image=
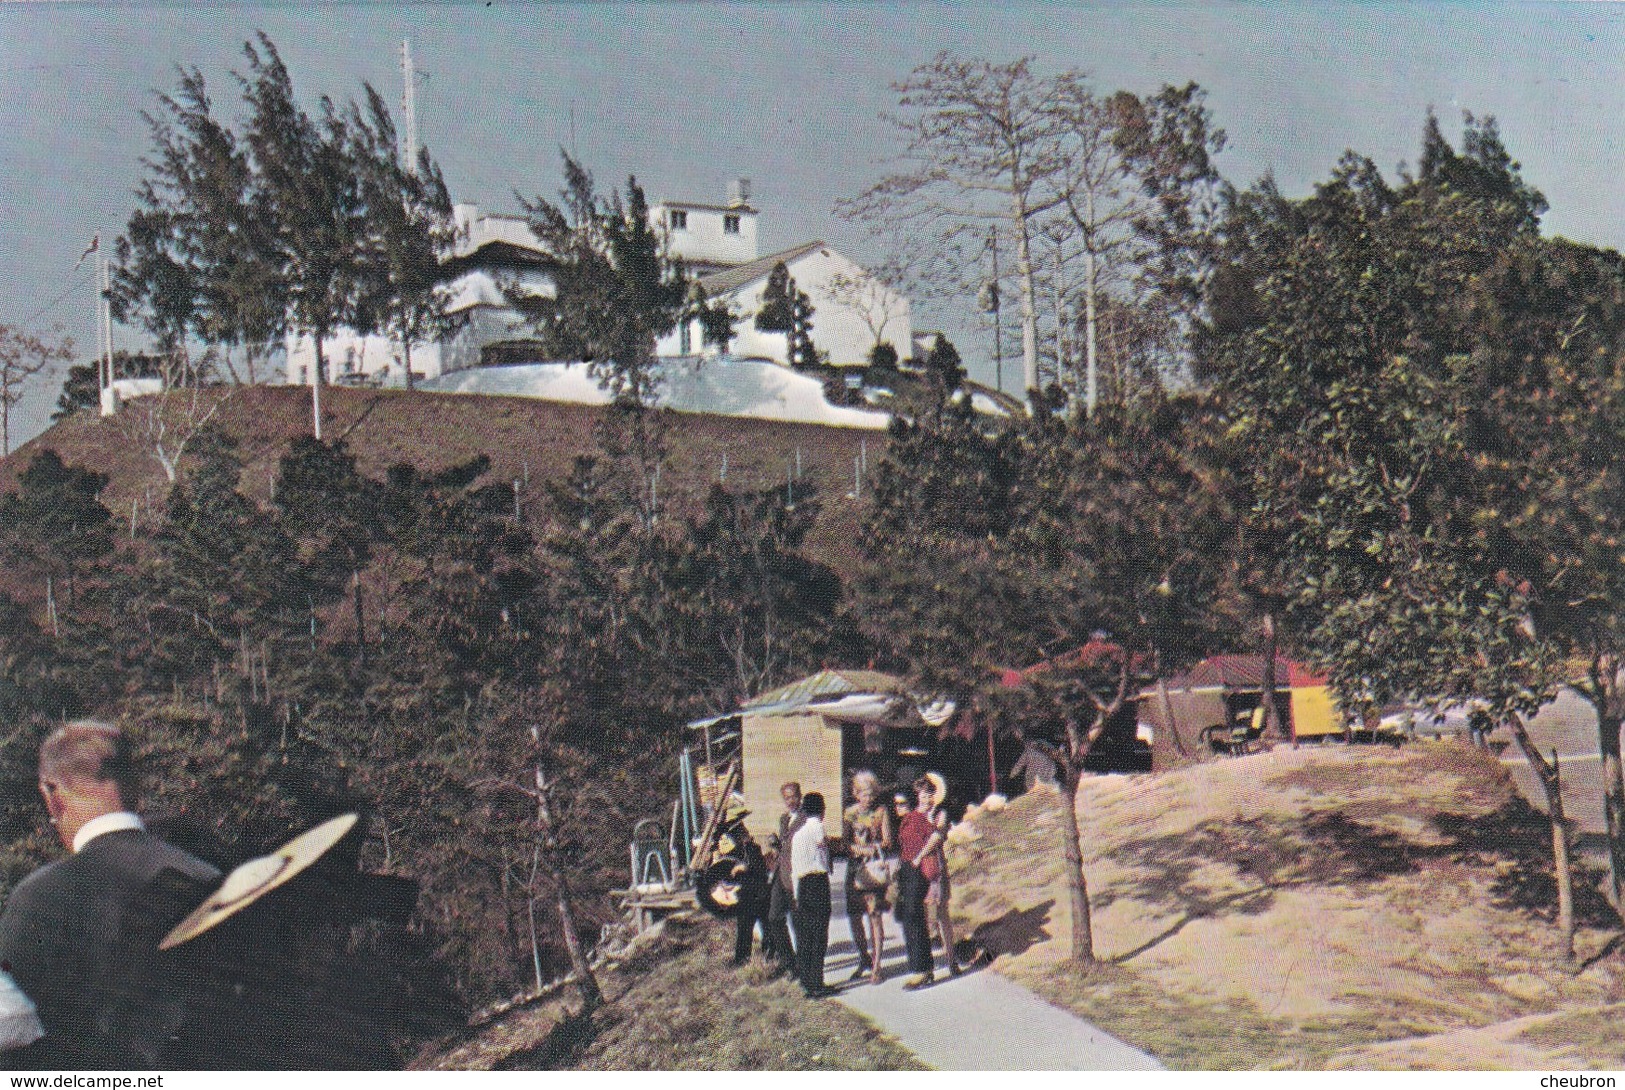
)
(730, 280)
(827, 683)
(1243, 672)
(702, 206)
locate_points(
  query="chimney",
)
(739, 193)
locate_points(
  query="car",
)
(1427, 720)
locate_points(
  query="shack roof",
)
(827, 683)
(1243, 672)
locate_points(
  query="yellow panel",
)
(1314, 713)
(779, 748)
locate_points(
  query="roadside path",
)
(981, 1021)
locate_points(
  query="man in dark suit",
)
(80, 936)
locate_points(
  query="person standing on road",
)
(782, 891)
(809, 867)
(932, 790)
(866, 835)
(914, 831)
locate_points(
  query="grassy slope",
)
(1337, 907)
(680, 1005)
(432, 431)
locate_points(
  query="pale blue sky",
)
(689, 96)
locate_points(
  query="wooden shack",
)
(817, 730)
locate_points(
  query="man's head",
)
(791, 794)
(813, 805)
(85, 771)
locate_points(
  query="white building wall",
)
(376, 359)
(704, 240)
(837, 329)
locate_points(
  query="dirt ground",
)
(1330, 907)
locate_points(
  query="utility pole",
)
(998, 332)
(409, 106)
(104, 329)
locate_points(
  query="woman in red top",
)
(915, 833)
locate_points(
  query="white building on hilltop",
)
(852, 310)
(716, 242)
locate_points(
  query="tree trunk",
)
(316, 389)
(1613, 790)
(1551, 787)
(1029, 308)
(1063, 374)
(360, 620)
(1272, 717)
(1167, 704)
(406, 358)
(591, 997)
(1077, 888)
(1091, 288)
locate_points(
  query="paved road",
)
(1569, 726)
(978, 1022)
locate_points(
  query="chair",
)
(651, 870)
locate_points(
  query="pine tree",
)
(55, 525)
(306, 192)
(410, 229)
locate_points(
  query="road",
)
(977, 1022)
(1569, 726)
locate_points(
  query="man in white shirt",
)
(80, 936)
(809, 869)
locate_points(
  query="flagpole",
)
(107, 320)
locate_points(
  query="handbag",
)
(874, 874)
(931, 866)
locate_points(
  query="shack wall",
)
(779, 748)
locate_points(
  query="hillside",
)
(523, 437)
(1326, 908)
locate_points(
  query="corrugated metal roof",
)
(827, 683)
(1244, 672)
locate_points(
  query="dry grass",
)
(1320, 908)
(681, 1005)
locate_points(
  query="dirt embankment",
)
(1327, 907)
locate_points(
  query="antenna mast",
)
(409, 105)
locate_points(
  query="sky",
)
(791, 95)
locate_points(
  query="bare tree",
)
(1099, 198)
(981, 149)
(22, 356)
(165, 422)
(874, 295)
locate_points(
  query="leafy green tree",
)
(1171, 143)
(224, 573)
(616, 291)
(332, 511)
(753, 612)
(1383, 359)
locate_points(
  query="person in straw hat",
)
(932, 791)
(80, 936)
